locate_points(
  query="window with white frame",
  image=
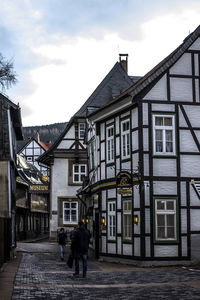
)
(110, 143)
(111, 220)
(164, 135)
(79, 172)
(81, 130)
(165, 219)
(127, 219)
(125, 139)
(70, 212)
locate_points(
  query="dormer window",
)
(81, 130)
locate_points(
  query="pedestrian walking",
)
(79, 247)
(62, 243)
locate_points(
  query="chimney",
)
(123, 59)
(37, 137)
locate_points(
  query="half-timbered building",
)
(67, 158)
(32, 201)
(144, 170)
(32, 149)
(10, 132)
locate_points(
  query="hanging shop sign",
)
(125, 191)
(124, 179)
(38, 188)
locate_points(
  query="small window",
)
(111, 221)
(81, 130)
(165, 220)
(164, 135)
(125, 139)
(70, 212)
(29, 158)
(110, 143)
(79, 172)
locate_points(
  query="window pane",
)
(128, 144)
(76, 168)
(73, 205)
(82, 169)
(168, 121)
(160, 205)
(169, 147)
(159, 135)
(170, 220)
(66, 205)
(170, 232)
(73, 215)
(76, 177)
(159, 121)
(159, 141)
(67, 215)
(170, 205)
(160, 220)
(161, 232)
(82, 177)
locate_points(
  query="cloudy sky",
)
(62, 49)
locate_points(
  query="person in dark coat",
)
(62, 242)
(79, 247)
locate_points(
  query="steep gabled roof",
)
(157, 71)
(115, 82)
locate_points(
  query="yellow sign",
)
(125, 191)
(44, 177)
(38, 187)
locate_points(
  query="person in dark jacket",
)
(79, 247)
(62, 242)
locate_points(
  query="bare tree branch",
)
(7, 74)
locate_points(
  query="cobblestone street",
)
(41, 275)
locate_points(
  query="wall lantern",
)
(136, 219)
(85, 221)
(103, 220)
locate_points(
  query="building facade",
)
(67, 158)
(10, 132)
(32, 149)
(143, 186)
(32, 201)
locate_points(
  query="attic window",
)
(81, 130)
(29, 158)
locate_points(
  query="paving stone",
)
(43, 276)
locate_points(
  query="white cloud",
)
(58, 71)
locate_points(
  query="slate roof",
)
(158, 70)
(115, 82)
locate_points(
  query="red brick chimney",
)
(123, 59)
